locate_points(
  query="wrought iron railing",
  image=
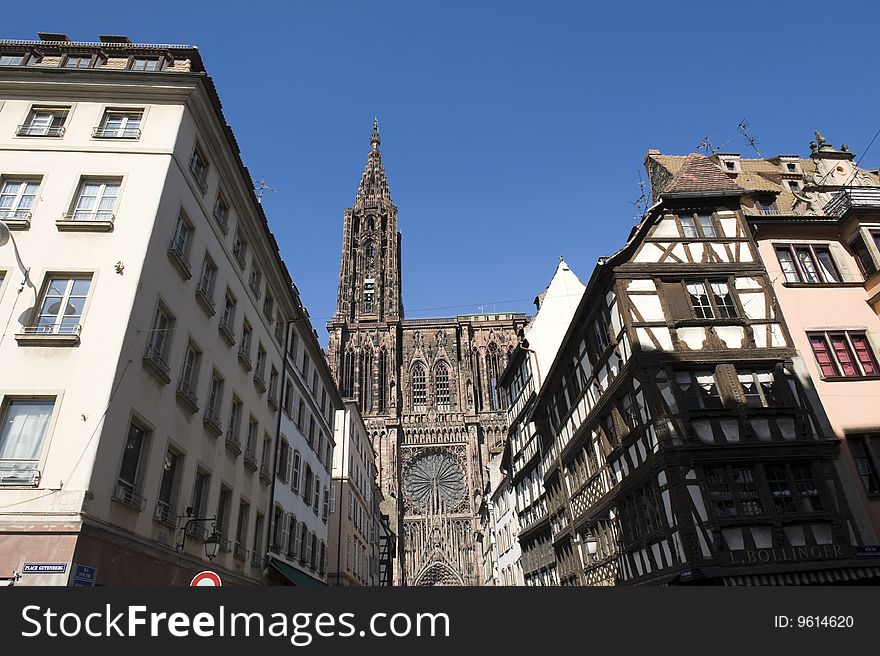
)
(89, 216)
(124, 493)
(187, 394)
(205, 298)
(200, 174)
(154, 356)
(212, 420)
(19, 472)
(164, 512)
(30, 130)
(104, 132)
(239, 552)
(71, 329)
(853, 198)
(177, 252)
(15, 214)
(232, 441)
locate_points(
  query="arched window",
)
(492, 372)
(369, 257)
(383, 381)
(366, 381)
(419, 392)
(348, 374)
(441, 386)
(478, 381)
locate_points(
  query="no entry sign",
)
(209, 579)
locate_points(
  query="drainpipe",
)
(345, 438)
(271, 515)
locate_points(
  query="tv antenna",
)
(752, 141)
(642, 201)
(706, 145)
(261, 187)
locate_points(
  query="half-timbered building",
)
(676, 444)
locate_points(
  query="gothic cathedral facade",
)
(426, 389)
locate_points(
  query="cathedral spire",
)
(373, 190)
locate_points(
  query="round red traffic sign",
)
(206, 578)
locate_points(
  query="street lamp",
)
(212, 542)
(212, 545)
(4, 234)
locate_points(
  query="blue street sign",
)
(868, 551)
(44, 568)
(83, 576)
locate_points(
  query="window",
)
(228, 317)
(12, 59)
(244, 350)
(17, 198)
(120, 124)
(265, 464)
(863, 256)
(78, 61)
(759, 389)
(234, 421)
(198, 166)
(600, 331)
(273, 384)
(733, 491)
(223, 503)
(419, 394)
(159, 342)
(791, 167)
(221, 213)
(780, 488)
(215, 398)
(699, 389)
(807, 263)
(866, 454)
(317, 495)
(766, 205)
(325, 513)
(240, 249)
(255, 279)
(44, 122)
(128, 482)
(260, 369)
(696, 226)
(295, 476)
(300, 413)
(206, 280)
(366, 380)
(258, 540)
(62, 306)
(283, 461)
(288, 399)
(145, 64)
(241, 529)
(180, 242)
(794, 186)
(843, 354)
(493, 370)
(307, 484)
(24, 428)
(711, 299)
(95, 200)
(441, 386)
(189, 377)
(251, 446)
(369, 295)
(348, 375)
(311, 436)
(292, 537)
(268, 306)
(200, 493)
(165, 511)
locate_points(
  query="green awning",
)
(295, 576)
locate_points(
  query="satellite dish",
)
(4, 233)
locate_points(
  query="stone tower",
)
(426, 389)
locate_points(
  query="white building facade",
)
(143, 304)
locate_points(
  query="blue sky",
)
(512, 132)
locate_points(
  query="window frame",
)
(799, 270)
(57, 124)
(713, 306)
(45, 441)
(123, 132)
(70, 277)
(698, 227)
(852, 353)
(15, 212)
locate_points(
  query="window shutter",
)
(332, 498)
(677, 303)
(285, 531)
(289, 461)
(729, 385)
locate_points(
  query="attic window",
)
(730, 164)
(794, 185)
(791, 166)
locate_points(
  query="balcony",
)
(853, 198)
(250, 460)
(154, 362)
(212, 422)
(203, 296)
(15, 219)
(225, 328)
(31, 130)
(239, 255)
(197, 532)
(80, 221)
(239, 552)
(254, 285)
(104, 132)
(257, 559)
(273, 399)
(19, 472)
(225, 544)
(233, 443)
(177, 255)
(124, 493)
(186, 396)
(260, 382)
(164, 513)
(245, 358)
(265, 474)
(49, 335)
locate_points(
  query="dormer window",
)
(766, 205)
(730, 165)
(145, 64)
(794, 186)
(12, 59)
(78, 61)
(791, 167)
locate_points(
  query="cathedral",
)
(426, 389)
